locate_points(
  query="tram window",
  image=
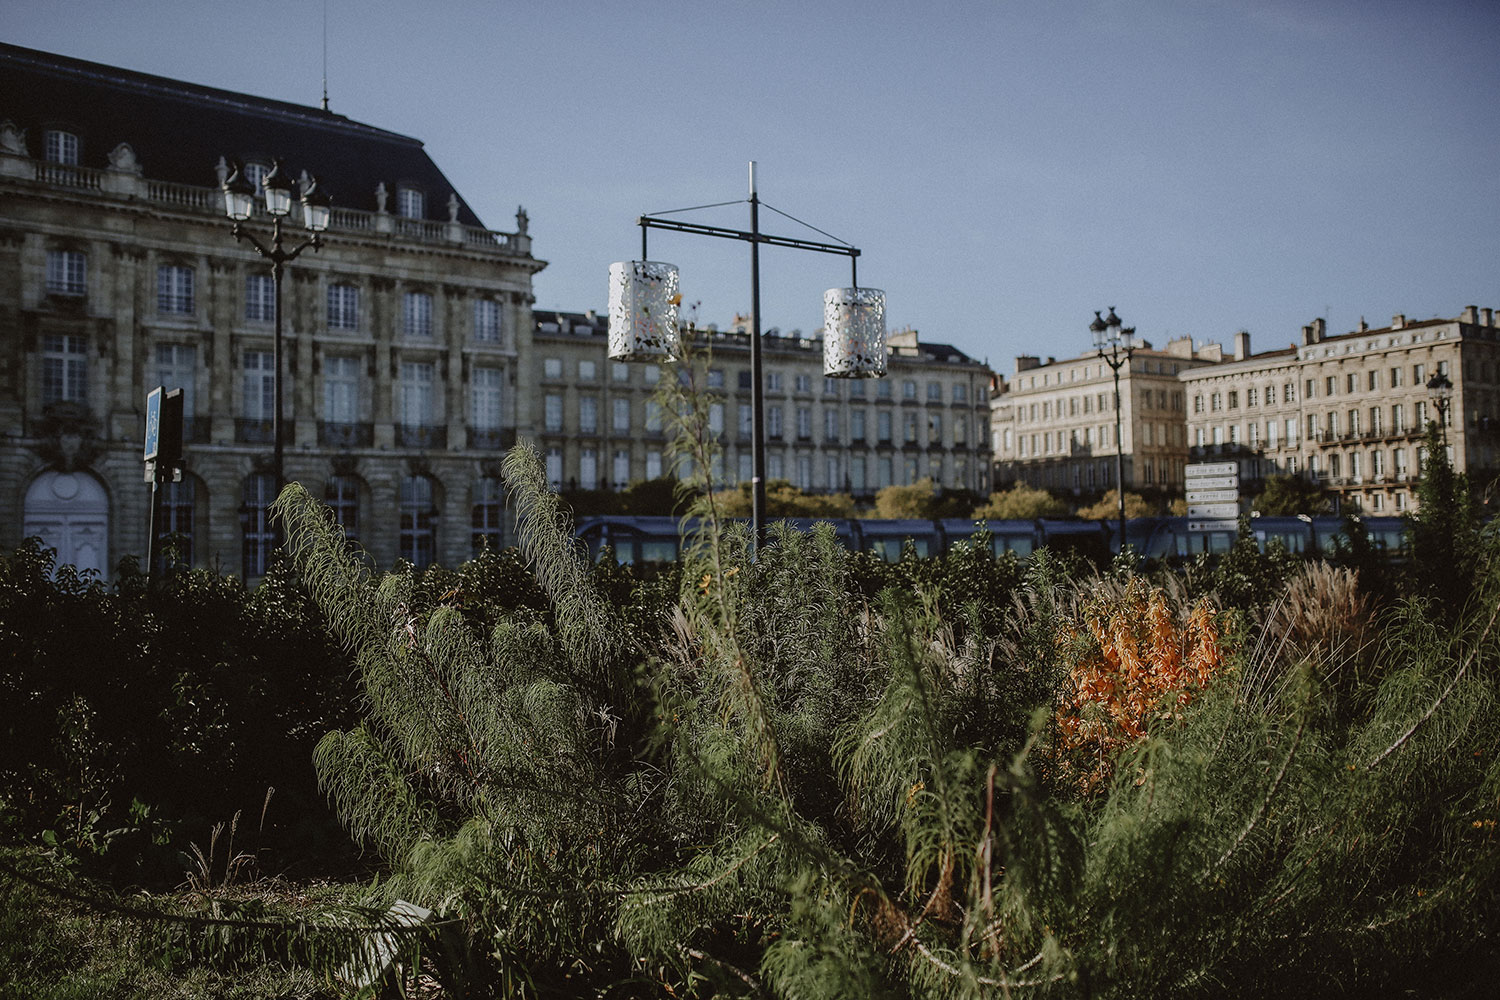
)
(658, 551)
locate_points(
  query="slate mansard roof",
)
(179, 130)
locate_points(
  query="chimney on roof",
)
(1321, 326)
(1470, 315)
(1242, 345)
(1363, 326)
(1398, 321)
(1210, 352)
(1051, 360)
(1180, 347)
(1486, 317)
(1025, 362)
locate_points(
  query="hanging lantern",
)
(854, 333)
(643, 300)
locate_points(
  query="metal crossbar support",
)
(757, 391)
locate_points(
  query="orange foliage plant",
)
(1141, 665)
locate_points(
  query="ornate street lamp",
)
(643, 299)
(239, 203)
(1115, 346)
(1440, 391)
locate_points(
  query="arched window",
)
(341, 494)
(418, 521)
(488, 515)
(255, 520)
(175, 534)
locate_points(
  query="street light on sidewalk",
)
(1115, 346)
(1441, 392)
(239, 204)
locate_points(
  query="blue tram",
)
(657, 539)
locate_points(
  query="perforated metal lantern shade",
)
(854, 333)
(643, 301)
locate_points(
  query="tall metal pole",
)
(277, 260)
(1119, 445)
(757, 380)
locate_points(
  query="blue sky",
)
(1006, 168)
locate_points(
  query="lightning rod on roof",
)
(325, 55)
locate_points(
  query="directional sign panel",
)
(1213, 510)
(1201, 469)
(1214, 483)
(1211, 496)
(153, 422)
(1219, 524)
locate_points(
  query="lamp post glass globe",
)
(316, 206)
(278, 191)
(239, 195)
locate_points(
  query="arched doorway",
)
(69, 512)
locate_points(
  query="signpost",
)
(1213, 496)
(163, 455)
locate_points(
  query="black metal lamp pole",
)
(239, 195)
(1120, 345)
(1441, 391)
(757, 389)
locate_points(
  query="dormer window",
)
(410, 203)
(255, 173)
(61, 147)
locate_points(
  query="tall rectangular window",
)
(340, 390)
(487, 320)
(745, 419)
(64, 368)
(831, 471)
(416, 312)
(177, 368)
(653, 465)
(588, 415)
(552, 413)
(588, 468)
(554, 468)
(883, 428)
(773, 422)
(620, 418)
(620, 474)
(588, 371)
(716, 418)
(653, 417)
(259, 538)
(857, 474)
(804, 472)
(67, 272)
(804, 423)
(857, 425)
(259, 369)
(830, 423)
(260, 298)
(416, 394)
(484, 398)
(174, 289)
(343, 307)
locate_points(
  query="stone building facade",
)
(1053, 422)
(600, 428)
(403, 336)
(1349, 411)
